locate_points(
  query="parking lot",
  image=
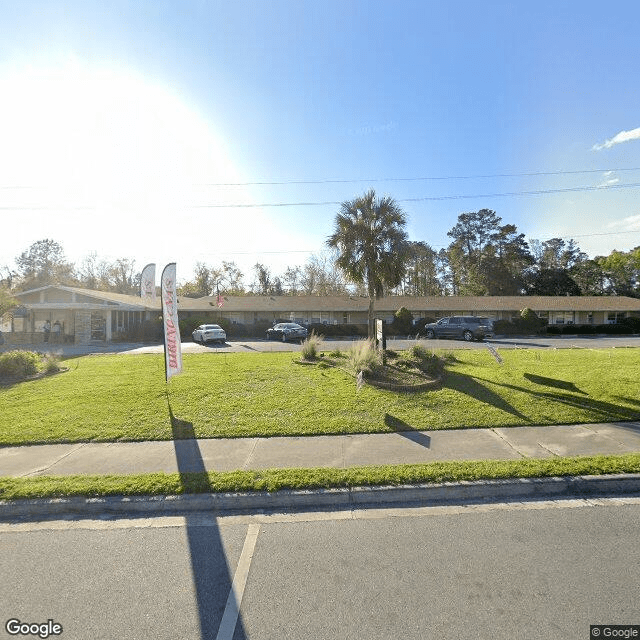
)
(256, 345)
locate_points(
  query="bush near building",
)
(402, 324)
(18, 365)
(338, 330)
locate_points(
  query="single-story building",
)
(84, 316)
(250, 310)
(74, 315)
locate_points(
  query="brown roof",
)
(107, 296)
(427, 304)
(431, 303)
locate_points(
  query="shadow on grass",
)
(407, 431)
(470, 386)
(211, 575)
(552, 382)
(629, 400)
(515, 342)
(601, 410)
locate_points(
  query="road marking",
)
(232, 608)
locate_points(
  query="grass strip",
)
(318, 478)
(115, 398)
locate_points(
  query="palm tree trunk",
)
(371, 331)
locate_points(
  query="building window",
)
(562, 317)
(614, 317)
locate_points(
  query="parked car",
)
(209, 333)
(467, 327)
(286, 331)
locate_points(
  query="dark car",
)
(467, 327)
(286, 331)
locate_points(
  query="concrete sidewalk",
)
(320, 451)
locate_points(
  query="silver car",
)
(209, 333)
(286, 331)
(467, 327)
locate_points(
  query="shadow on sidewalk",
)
(212, 576)
(407, 431)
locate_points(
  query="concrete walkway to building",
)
(320, 451)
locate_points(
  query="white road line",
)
(232, 608)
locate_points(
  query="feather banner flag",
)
(148, 284)
(172, 347)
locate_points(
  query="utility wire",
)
(357, 180)
(373, 180)
(250, 205)
(633, 185)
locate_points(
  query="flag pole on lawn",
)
(172, 346)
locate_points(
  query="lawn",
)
(122, 397)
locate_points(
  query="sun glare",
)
(93, 143)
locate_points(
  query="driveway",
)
(256, 345)
(253, 345)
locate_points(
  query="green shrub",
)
(632, 323)
(338, 330)
(311, 346)
(19, 364)
(363, 356)
(421, 323)
(402, 322)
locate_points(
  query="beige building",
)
(249, 310)
(86, 316)
(78, 316)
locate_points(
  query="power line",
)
(288, 251)
(375, 180)
(250, 205)
(633, 185)
(357, 180)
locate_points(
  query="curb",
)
(344, 498)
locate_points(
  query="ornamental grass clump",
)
(363, 356)
(311, 346)
(425, 361)
(51, 363)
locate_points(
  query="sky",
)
(202, 131)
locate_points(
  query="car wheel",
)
(468, 336)
(430, 334)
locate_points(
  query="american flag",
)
(220, 300)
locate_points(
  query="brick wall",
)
(83, 327)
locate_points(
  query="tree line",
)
(485, 257)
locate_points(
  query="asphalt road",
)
(496, 571)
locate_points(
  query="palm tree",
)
(372, 245)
